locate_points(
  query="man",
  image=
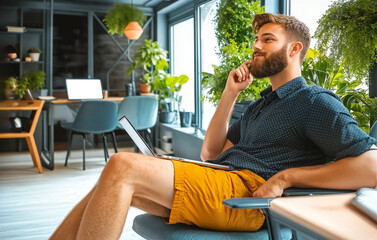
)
(285, 139)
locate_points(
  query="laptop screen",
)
(78, 89)
(135, 136)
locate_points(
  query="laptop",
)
(366, 201)
(84, 89)
(146, 150)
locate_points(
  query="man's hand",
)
(240, 78)
(274, 186)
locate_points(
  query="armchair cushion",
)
(152, 227)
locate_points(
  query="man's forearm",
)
(348, 173)
(216, 134)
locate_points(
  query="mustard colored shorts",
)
(200, 192)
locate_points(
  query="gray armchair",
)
(152, 227)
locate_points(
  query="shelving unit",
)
(33, 36)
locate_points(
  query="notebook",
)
(146, 150)
(84, 89)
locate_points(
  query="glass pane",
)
(70, 48)
(208, 51)
(182, 60)
(309, 12)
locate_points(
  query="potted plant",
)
(34, 53)
(118, 17)
(151, 59)
(10, 86)
(168, 88)
(234, 36)
(34, 81)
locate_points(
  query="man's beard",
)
(272, 64)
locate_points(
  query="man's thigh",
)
(151, 178)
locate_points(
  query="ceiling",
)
(139, 3)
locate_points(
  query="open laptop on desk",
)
(84, 89)
(146, 150)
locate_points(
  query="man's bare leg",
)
(125, 175)
(68, 228)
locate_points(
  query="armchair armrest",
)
(263, 203)
(242, 203)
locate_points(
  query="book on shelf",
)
(14, 29)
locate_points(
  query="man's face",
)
(270, 51)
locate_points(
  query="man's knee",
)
(121, 164)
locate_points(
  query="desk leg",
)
(47, 154)
(34, 153)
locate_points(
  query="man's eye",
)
(268, 39)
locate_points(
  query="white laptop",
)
(146, 150)
(82, 89)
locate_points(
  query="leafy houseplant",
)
(151, 59)
(235, 37)
(32, 80)
(10, 86)
(118, 17)
(168, 88)
(353, 38)
(34, 50)
(34, 53)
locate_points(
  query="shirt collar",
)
(287, 88)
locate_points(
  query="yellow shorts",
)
(200, 192)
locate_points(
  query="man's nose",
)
(257, 46)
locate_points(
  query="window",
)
(182, 60)
(309, 12)
(208, 49)
(182, 50)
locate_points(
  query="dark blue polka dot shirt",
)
(294, 126)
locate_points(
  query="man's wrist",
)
(286, 177)
(230, 93)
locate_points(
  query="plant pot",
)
(145, 88)
(34, 56)
(185, 119)
(166, 117)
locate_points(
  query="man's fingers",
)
(238, 74)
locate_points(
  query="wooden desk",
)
(48, 128)
(24, 105)
(329, 216)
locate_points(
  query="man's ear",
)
(296, 47)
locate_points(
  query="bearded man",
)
(293, 136)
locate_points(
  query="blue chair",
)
(141, 111)
(94, 117)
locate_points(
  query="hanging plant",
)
(348, 32)
(118, 17)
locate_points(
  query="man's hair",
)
(297, 30)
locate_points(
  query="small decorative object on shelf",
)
(34, 53)
(11, 56)
(15, 29)
(27, 59)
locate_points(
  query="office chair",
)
(141, 111)
(94, 117)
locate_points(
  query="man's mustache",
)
(258, 53)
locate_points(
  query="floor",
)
(32, 205)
